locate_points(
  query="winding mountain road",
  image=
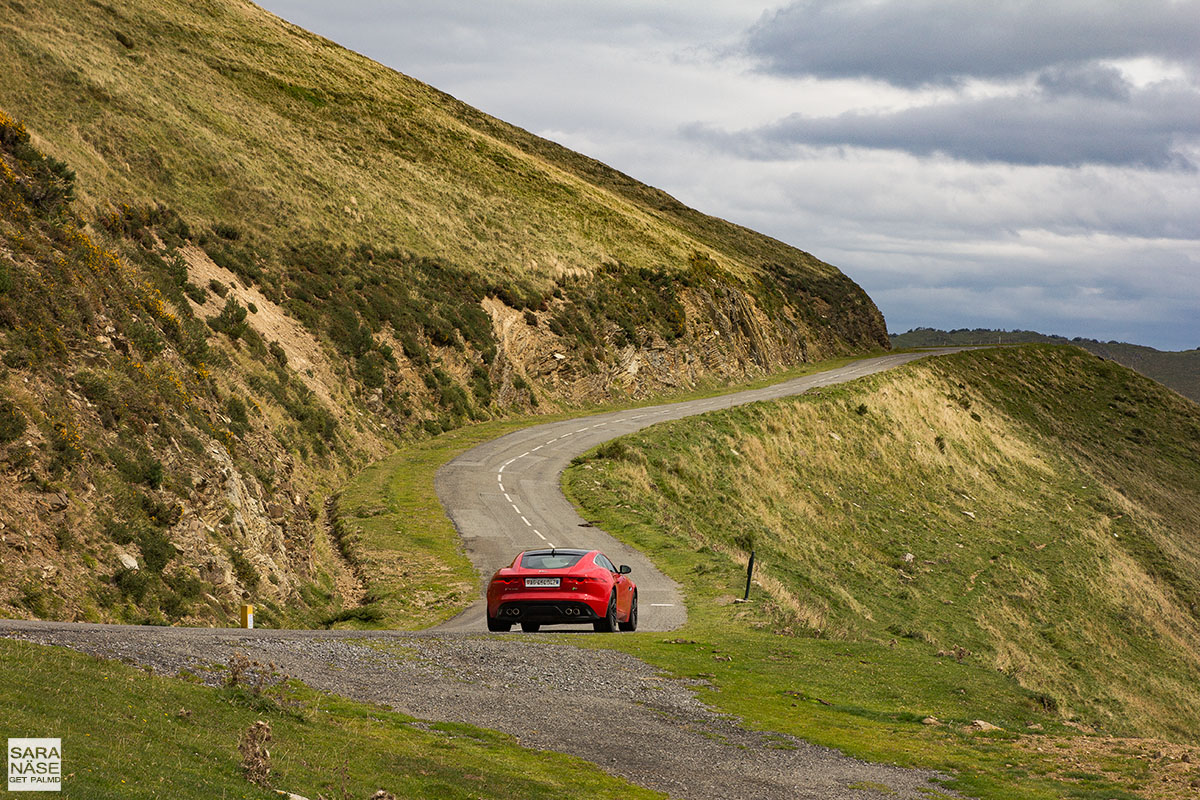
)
(504, 496)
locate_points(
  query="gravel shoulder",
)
(606, 707)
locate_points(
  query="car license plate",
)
(541, 582)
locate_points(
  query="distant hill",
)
(1179, 370)
(238, 262)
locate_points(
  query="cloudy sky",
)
(1014, 164)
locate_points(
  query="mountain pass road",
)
(504, 495)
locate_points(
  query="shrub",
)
(370, 371)
(235, 409)
(246, 574)
(12, 421)
(198, 294)
(133, 583)
(141, 467)
(147, 340)
(157, 551)
(231, 321)
(227, 232)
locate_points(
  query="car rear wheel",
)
(609, 623)
(631, 623)
(531, 627)
(497, 626)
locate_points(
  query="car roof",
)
(567, 551)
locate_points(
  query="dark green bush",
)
(157, 550)
(197, 293)
(231, 321)
(246, 574)
(12, 421)
(133, 583)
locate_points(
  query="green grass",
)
(127, 734)
(1031, 611)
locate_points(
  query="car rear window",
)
(550, 560)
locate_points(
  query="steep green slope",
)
(230, 115)
(1180, 369)
(239, 262)
(1032, 511)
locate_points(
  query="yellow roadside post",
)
(247, 616)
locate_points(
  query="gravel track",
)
(606, 707)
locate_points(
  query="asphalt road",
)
(504, 496)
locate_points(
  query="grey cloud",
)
(917, 42)
(1089, 80)
(1149, 130)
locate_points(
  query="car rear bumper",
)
(546, 611)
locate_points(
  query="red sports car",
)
(560, 586)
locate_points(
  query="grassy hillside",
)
(1028, 515)
(107, 713)
(233, 117)
(238, 263)
(1180, 370)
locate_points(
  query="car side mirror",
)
(624, 570)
